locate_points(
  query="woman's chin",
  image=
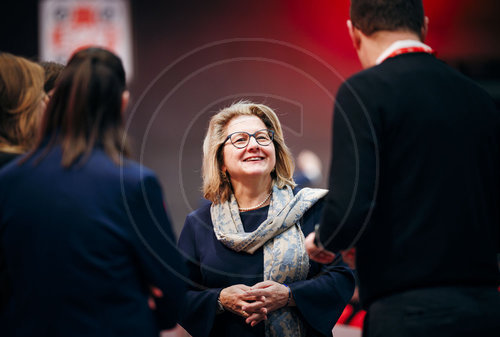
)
(254, 174)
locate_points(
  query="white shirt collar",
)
(398, 45)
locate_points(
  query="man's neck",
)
(375, 44)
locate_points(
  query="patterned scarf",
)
(285, 258)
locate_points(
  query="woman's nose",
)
(252, 143)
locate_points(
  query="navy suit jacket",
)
(83, 246)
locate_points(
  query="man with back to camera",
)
(414, 182)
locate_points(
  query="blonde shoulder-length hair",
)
(21, 94)
(216, 186)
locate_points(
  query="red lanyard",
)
(409, 50)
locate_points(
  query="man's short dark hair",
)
(371, 16)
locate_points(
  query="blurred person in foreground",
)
(22, 102)
(247, 260)
(83, 229)
(414, 182)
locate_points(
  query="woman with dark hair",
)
(84, 230)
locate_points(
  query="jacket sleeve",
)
(198, 311)
(353, 171)
(154, 243)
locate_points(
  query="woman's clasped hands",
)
(254, 303)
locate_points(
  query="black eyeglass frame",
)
(250, 135)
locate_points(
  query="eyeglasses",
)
(240, 139)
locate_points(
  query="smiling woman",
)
(249, 161)
(246, 257)
(239, 117)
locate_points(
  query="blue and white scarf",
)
(285, 257)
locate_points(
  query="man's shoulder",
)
(361, 76)
(365, 81)
(361, 88)
(385, 72)
(397, 65)
(407, 71)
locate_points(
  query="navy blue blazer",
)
(212, 266)
(83, 246)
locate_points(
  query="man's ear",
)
(125, 100)
(354, 34)
(425, 29)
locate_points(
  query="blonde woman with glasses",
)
(250, 274)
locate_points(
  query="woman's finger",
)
(258, 292)
(256, 318)
(258, 306)
(263, 284)
(249, 298)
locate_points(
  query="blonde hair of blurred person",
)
(216, 183)
(22, 102)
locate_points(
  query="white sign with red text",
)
(69, 25)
